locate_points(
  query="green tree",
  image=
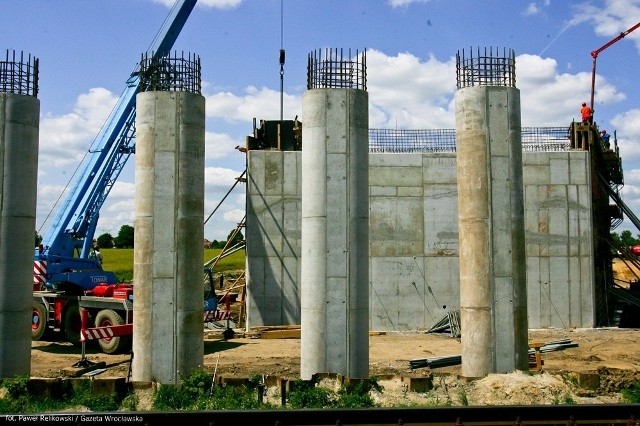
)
(238, 238)
(38, 239)
(105, 240)
(625, 238)
(125, 237)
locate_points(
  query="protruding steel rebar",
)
(333, 69)
(19, 74)
(487, 68)
(170, 73)
(543, 139)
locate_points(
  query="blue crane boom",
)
(68, 242)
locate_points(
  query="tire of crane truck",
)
(39, 327)
(72, 323)
(116, 344)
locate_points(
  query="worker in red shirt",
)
(586, 113)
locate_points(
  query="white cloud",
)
(611, 18)
(252, 104)
(404, 3)
(406, 92)
(219, 178)
(220, 145)
(224, 202)
(532, 9)
(628, 125)
(235, 215)
(549, 98)
(65, 139)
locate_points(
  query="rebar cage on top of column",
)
(486, 68)
(170, 73)
(333, 69)
(19, 74)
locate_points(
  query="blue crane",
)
(63, 261)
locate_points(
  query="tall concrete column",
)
(19, 132)
(169, 227)
(493, 310)
(335, 218)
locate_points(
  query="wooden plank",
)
(281, 334)
(275, 327)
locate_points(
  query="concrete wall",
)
(19, 142)
(413, 235)
(274, 223)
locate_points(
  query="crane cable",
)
(282, 58)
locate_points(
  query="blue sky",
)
(88, 48)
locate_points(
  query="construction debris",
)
(277, 332)
(446, 361)
(285, 332)
(442, 361)
(450, 324)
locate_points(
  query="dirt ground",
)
(612, 355)
(604, 361)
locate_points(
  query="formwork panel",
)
(575, 293)
(274, 177)
(558, 220)
(397, 282)
(394, 160)
(544, 290)
(440, 220)
(504, 323)
(292, 181)
(439, 169)
(442, 290)
(409, 191)
(578, 172)
(587, 293)
(534, 297)
(559, 300)
(585, 220)
(559, 169)
(292, 233)
(291, 291)
(396, 226)
(382, 191)
(573, 221)
(255, 172)
(396, 176)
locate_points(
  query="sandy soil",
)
(603, 362)
(612, 355)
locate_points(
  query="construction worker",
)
(586, 113)
(605, 138)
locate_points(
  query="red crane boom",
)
(596, 52)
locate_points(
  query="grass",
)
(19, 398)
(196, 392)
(120, 262)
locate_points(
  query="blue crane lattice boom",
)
(68, 242)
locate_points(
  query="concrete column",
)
(169, 232)
(335, 233)
(19, 124)
(491, 231)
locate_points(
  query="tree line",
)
(625, 238)
(125, 239)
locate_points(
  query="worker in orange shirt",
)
(586, 113)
